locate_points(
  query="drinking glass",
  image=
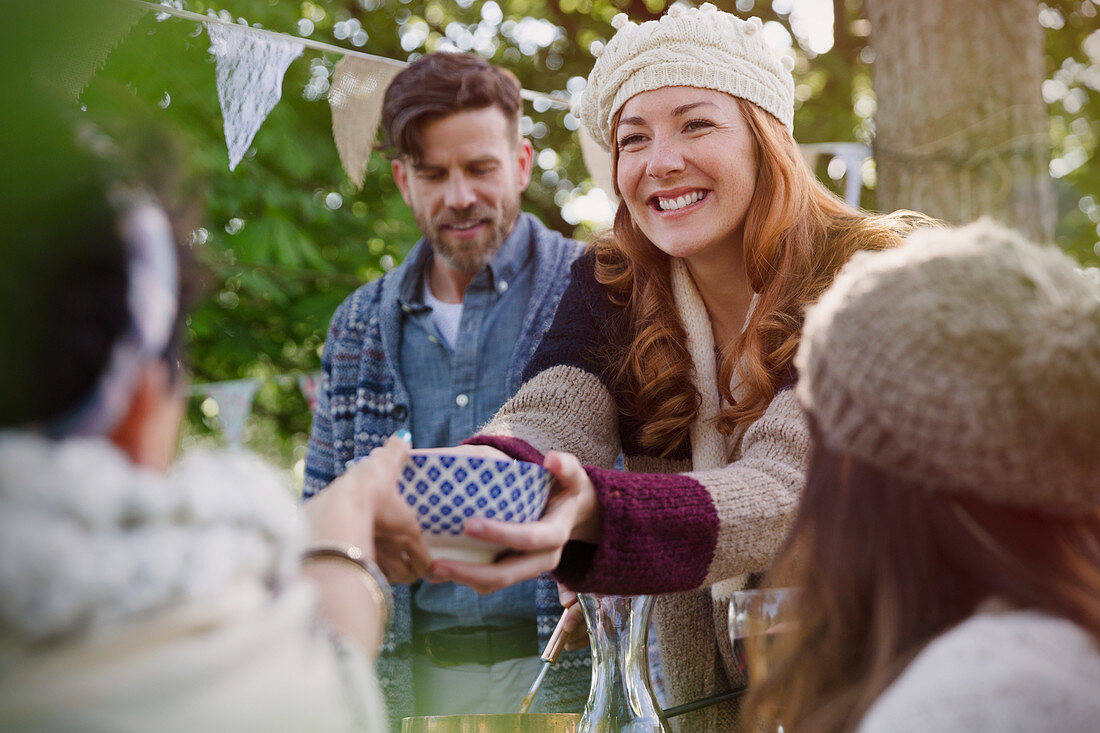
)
(763, 613)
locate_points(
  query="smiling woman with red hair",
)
(673, 345)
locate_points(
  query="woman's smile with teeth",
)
(672, 204)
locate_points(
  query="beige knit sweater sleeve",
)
(562, 409)
(756, 496)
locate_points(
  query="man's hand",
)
(571, 513)
(363, 507)
(576, 632)
(481, 451)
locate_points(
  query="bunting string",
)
(251, 64)
(558, 99)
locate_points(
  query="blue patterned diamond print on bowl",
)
(445, 490)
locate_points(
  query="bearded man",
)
(435, 347)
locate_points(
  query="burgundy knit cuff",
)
(514, 447)
(658, 534)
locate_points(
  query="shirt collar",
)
(505, 265)
(513, 253)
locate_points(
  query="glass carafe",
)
(621, 699)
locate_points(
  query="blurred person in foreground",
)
(138, 595)
(435, 347)
(948, 541)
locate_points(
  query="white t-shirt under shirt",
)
(445, 316)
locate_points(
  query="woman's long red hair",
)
(797, 234)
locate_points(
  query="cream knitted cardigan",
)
(1010, 672)
(132, 601)
(693, 525)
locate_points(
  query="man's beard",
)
(469, 255)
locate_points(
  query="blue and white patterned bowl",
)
(445, 490)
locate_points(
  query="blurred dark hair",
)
(886, 565)
(63, 279)
(438, 85)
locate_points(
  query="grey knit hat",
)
(967, 360)
(704, 48)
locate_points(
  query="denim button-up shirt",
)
(453, 392)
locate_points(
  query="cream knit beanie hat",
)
(967, 360)
(704, 48)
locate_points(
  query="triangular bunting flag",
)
(250, 69)
(234, 400)
(598, 162)
(309, 383)
(358, 87)
(76, 51)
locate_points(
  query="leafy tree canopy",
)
(286, 236)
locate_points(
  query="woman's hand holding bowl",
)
(572, 513)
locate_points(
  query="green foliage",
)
(1073, 94)
(286, 236)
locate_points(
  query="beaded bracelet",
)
(372, 575)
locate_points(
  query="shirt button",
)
(462, 400)
(502, 286)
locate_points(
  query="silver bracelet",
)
(372, 575)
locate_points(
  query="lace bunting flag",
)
(358, 86)
(250, 69)
(234, 400)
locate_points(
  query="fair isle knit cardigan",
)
(362, 400)
(690, 525)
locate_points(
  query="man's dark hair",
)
(438, 85)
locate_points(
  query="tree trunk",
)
(961, 127)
